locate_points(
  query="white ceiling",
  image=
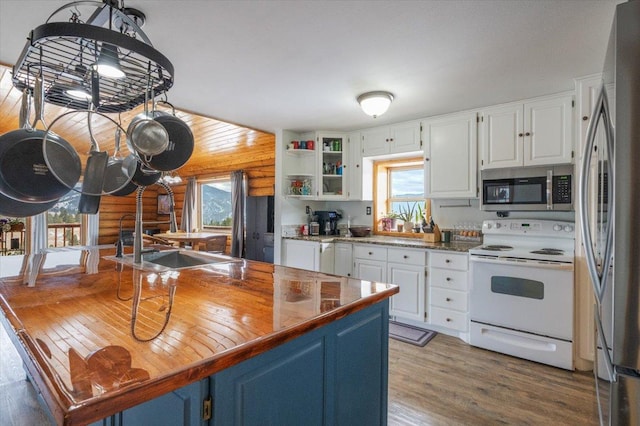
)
(300, 64)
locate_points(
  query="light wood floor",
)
(446, 382)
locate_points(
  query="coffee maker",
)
(328, 221)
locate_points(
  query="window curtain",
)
(188, 221)
(92, 223)
(38, 241)
(237, 209)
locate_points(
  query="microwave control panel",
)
(561, 192)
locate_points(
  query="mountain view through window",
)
(216, 203)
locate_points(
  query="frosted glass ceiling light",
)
(79, 93)
(108, 63)
(375, 103)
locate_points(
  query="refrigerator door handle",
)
(605, 347)
(598, 280)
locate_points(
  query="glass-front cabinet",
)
(332, 165)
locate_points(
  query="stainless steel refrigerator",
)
(610, 222)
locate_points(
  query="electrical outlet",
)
(307, 209)
(368, 211)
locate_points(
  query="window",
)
(215, 203)
(64, 223)
(399, 193)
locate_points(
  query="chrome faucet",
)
(120, 242)
(137, 238)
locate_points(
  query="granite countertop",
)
(96, 344)
(460, 246)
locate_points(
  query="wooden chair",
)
(215, 245)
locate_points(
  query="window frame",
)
(382, 190)
(200, 204)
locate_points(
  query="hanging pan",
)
(146, 137)
(25, 175)
(119, 171)
(180, 145)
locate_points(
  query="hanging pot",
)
(146, 137)
(145, 176)
(24, 172)
(119, 170)
(180, 145)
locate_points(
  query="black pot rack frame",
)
(64, 53)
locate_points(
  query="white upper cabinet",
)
(332, 151)
(394, 139)
(451, 156)
(534, 133)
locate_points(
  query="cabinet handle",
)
(426, 159)
(528, 134)
(585, 118)
(448, 319)
(391, 139)
(370, 253)
(386, 140)
(520, 135)
(447, 261)
(448, 279)
(405, 256)
(357, 165)
(448, 299)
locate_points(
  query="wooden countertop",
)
(88, 340)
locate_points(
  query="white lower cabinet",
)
(402, 267)
(449, 293)
(370, 262)
(310, 255)
(343, 259)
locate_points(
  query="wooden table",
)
(192, 238)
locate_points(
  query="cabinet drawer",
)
(409, 257)
(446, 278)
(449, 260)
(449, 319)
(450, 299)
(370, 252)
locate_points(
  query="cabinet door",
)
(451, 156)
(343, 263)
(502, 136)
(301, 254)
(409, 303)
(327, 254)
(370, 270)
(404, 137)
(548, 137)
(180, 407)
(354, 170)
(332, 149)
(375, 142)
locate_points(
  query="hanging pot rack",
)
(65, 53)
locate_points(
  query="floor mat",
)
(410, 334)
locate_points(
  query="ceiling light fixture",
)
(78, 92)
(375, 103)
(108, 64)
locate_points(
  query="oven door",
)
(522, 295)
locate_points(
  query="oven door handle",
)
(557, 266)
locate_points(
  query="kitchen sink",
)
(173, 260)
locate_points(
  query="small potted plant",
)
(389, 221)
(407, 214)
(418, 219)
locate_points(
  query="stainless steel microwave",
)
(528, 189)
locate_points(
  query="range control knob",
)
(488, 225)
(498, 225)
(568, 228)
(557, 227)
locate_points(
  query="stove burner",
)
(549, 251)
(496, 247)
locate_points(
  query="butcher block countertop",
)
(96, 344)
